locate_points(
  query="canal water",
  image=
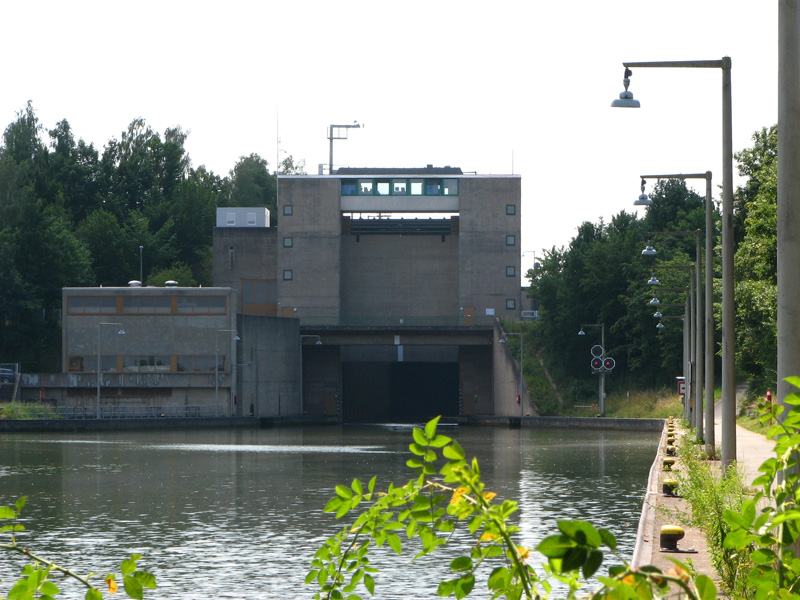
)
(237, 513)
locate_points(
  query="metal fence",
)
(134, 412)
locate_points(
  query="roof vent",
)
(171, 283)
(430, 166)
(134, 283)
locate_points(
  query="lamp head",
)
(655, 301)
(649, 250)
(653, 280)
(660, 325)
(625, 99)
(581, 332)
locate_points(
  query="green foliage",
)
(756, 261)
(768, 526)
(447, 493)
(72, 216)
(710, 498)
(36, 580)
(27, 410)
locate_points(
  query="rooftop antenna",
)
(338, 132)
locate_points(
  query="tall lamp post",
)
(216, 363)
(99, 369)
(788, 198)
(697, 332)
(708, 335)
(338, 132)
(602, 386)
(521, 376)
(695, 344)
(728, 335)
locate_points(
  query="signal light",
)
(609, 363)
(597, 364)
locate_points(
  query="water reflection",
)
(237, 513)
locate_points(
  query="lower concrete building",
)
(145, 351)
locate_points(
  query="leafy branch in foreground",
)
(768, 526)
(36, 580)
(447, 492)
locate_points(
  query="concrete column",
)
(788, 194)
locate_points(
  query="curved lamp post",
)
(728, 323)
(697, 337)
(601, 393)
(696, 346)
(99, 370)
(689, 343)
(236, 338)
(708, 334)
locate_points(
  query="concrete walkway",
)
(752, 450)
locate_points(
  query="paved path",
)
(752, 450)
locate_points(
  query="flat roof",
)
(370, 171)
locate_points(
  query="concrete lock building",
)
(396, 279)
(376, 297)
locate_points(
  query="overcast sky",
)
(492, 87)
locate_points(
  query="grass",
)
(647, 404)
(27, 410)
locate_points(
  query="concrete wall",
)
(475, 373)
(314, 256)
(483, 253)
(386, 278)
(506, 379)
(244, 253)
(271, 371)
(169, 335)
(321, 379)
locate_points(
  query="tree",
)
(756, 262)
(252, 184)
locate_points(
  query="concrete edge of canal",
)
(25, 425)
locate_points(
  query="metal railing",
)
(135, 411)
(407, 321)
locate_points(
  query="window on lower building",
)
(288, 210)
(511, 209)
(511, 271)
(288, 275)
(288, 242)
(511, 304)
(511, 240)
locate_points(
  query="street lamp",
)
(697, 332)
(99, 370)
(728, 316)
(602, 386)
(521, 376)
(236, 338)
(709, 301)
(697, 349)
(338, 132)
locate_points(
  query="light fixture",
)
(649, 250)
(657, 314)
(581, 332)
(653, 280)
(655, 301)
(660, 325)
(625, 99)
(644, 199)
